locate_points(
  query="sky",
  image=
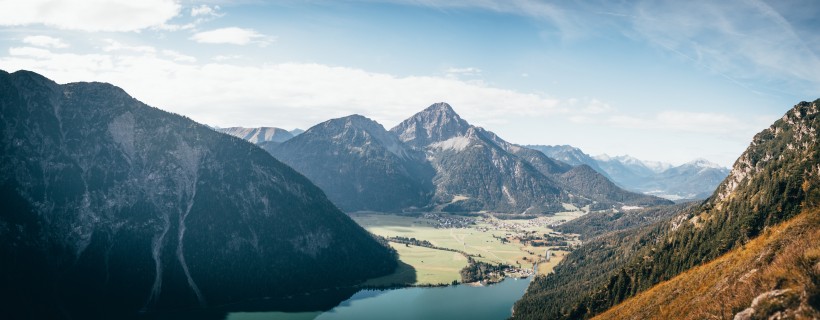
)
(666, 81)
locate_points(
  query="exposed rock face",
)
(112, 207)
(783, 159)
(437, 123)
(360, 165)
(477, 170)
(776, 304)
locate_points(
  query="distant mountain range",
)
(437, 161)
(693, 180)
(112, 208)
(257, 135)
(750, 251)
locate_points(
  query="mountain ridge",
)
(117, 208)
(773, 181)
(258, 135)
(425, 159)
(692, 180)
(505, 169)
(360, 165)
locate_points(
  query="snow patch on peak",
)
(257, 135)
(455, 143)
(703, 163)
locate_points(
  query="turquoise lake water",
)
(453, 302)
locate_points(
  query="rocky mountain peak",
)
(790, 142)
(437, 123)
(441, 107)
(357, 130)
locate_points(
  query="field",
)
(486, 238)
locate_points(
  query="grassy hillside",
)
(782, 267)
(773, 181)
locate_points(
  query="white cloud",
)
(692, 122)
(303, 94)
(223, 57)
(89, 15)
(30, 52)
(176, 56)
(596, 106)
(113, 45)
(469, 71)
(232, 35)
(45, 41)
(289, 94)
(205, 10)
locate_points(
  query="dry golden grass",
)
(784, 257)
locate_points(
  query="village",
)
(445, 248)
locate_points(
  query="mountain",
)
(257, 135)
(693, 180)
(437, 161)
(569, 155)
(477, 170)
(759, 227)
(626, 171)
(113, 208)
(583, 180)
(360, 165)
(296, 132)
(741, 285)
(472, 172)
(434, 125)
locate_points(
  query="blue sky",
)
(659, 80)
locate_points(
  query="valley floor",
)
(437, 246)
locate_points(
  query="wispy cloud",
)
(112, 45)
(85, 15)
(744, 41)
(568, 25)
(294, 94)
(206, 11)
(179, 57)
(45, 41)
(714, 124)
(232, 35)
(748, 42)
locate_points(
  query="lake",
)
(453, 302)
